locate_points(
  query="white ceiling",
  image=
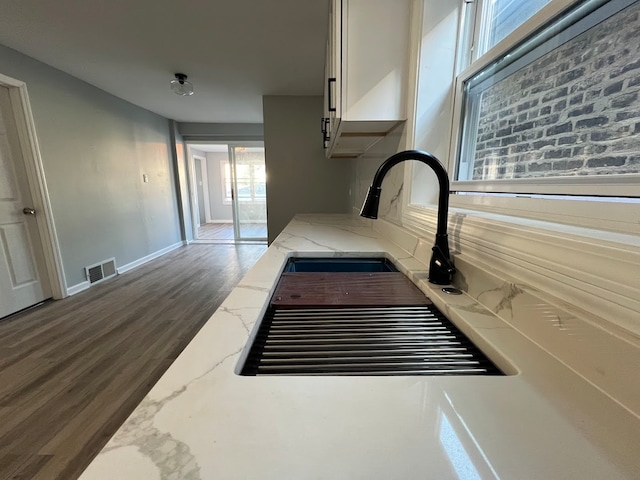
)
(233, 51)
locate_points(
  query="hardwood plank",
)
(34, 465)
(85, 434)
(72, 371)
(18, 467)
(10, 463)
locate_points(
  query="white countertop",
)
(203, 421)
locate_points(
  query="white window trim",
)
(622, 218)
(545, 14)
(617, 185)
(588, 257)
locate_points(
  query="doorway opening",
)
(228, 192)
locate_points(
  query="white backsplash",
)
(573, 336)
(393, 185)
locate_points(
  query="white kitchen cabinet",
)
(366, 74)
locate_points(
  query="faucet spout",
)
(441, 267)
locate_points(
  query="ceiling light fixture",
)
(180, 85)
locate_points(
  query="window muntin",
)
(563, 104)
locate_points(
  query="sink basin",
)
(356, 316)
(339, 264)
(416, 340)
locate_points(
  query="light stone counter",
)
(543, 421)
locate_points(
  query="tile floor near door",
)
(72, 370)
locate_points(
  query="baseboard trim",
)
(80, 287)
(148, 258)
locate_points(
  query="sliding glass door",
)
(248, 192)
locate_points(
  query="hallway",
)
(71, 371)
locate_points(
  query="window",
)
(487, 22)
(501, 17)
(250, 180)
(559, 112)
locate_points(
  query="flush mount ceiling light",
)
(180, 85)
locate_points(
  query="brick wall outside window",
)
(573, 111)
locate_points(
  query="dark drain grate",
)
(363, 341)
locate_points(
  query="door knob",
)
(28, 211)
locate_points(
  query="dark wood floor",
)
(71, 371)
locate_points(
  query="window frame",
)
(482, 38)
(597, 185)
(554, 213)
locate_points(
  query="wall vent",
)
(101, 271)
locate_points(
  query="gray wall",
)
(574, 111)
(299, 177)
(219, 211)
(95, 149)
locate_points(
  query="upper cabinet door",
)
(333, 71)
(367, 81)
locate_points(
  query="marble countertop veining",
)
(202, 421)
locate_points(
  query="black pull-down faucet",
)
(441, 267)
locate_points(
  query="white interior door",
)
(23, 279)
